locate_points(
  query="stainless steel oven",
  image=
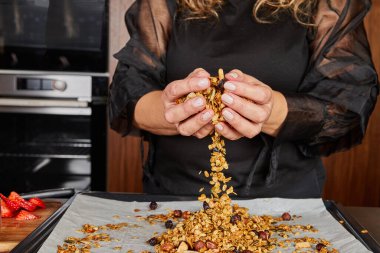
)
(52, 131)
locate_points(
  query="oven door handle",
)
(44, 106)
(47, 110)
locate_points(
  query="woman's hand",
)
(190, 117)
(251, 107)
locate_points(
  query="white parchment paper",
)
(98, 211)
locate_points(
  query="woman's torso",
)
(276, 54)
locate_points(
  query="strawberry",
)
(25, 204)
(38, 202)
(15, 197)
(11, 205)
(25, 215)
(5, 211)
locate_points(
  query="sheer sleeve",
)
(141, 63)
(330, 111)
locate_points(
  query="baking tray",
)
(33, 242)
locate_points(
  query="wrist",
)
(278, 115)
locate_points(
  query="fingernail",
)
(234, 74)
(198, 102)
(203, 83)
(219, 127)
(206, 116)
(229, 86)
(227, 115)
(227, 99)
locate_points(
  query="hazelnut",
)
(206, 206)
(264, 235)
(169, 224)
(210, 245)
(152, 241)
(186, 215)
(153, 205)
(286, 216)
(198, 245)
(182, 247)
(235, 218)
(167, 246)
(177, 213)
(320, 246)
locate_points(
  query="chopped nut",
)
(210, 245)
(186, 215)
(167, 246)
(182, 247)
(286, 216)
(177, 213)
(198, 245)
(264, 235)
(302, 245)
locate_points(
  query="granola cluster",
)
(225, 227)
(94, 235)
(213, 97)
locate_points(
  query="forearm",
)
(149, 115)
(277, 116)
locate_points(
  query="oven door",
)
(44, 146)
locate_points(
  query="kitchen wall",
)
(353, 176)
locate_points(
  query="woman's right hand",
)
(190, 118)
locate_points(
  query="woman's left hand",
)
(249, 106)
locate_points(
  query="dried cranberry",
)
(206, 206)
(153, 205)
(235, 218)
(169, 224)
(320, 246)
(152, 241)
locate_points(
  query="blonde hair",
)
(264, 11)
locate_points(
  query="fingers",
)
(260, 94)
(198, 80)
(246, 108)
(204, 131)
(237, 75)
(240, 124)
(180, 112)
(194, 124)
(227, 131)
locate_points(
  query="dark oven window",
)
(44, 151)
(59, 35)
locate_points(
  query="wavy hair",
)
(264, 11)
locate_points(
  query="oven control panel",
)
(40, 84)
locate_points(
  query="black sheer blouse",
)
(325, 73)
